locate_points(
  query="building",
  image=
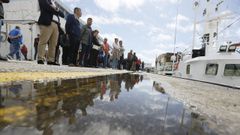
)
(25, 13)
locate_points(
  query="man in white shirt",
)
(115, 54)
(121, 55)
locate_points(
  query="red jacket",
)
(138, 62)
(24, 49)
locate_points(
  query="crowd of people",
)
(81, 45)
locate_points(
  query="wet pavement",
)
(111, 105)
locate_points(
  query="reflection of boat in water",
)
(158, 87)
(216, 62)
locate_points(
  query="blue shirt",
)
(16, 32)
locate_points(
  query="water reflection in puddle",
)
(113, 105)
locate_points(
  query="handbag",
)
(96, 47)
(64, 40)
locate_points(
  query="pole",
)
(194, 29)
(32, 53)
(175, 37)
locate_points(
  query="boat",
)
(216, 62)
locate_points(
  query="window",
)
(211, 69)
(188, 69)
(232, 48)
(223, 48)
(232, 70)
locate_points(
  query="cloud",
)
(167, 1)
(185, 24)
(110, 36)
(70, 0)
(159, 35)
(149, 55)
(116, 20)
(115, 5)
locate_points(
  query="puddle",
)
(113, 105)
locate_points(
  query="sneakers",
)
(9, 57)
(40, 62)
(72, 65)
(53, 64)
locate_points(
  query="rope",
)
(230, 25)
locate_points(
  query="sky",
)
(148, 26)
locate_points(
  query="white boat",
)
(216, 62)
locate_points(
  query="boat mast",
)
(175, 38)
(195, 6)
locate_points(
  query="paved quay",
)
(30, 71)
(221, 104)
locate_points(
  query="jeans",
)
(94, 58)
(105, 61)
(74, 48)
(86, 49)
(15, 50)
(114, 63)
(65, 55)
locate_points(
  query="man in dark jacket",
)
(1, 21)
(73, 30)
(86, 40)
(48, 31)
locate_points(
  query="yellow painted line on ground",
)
(13, 114)
(35, 76)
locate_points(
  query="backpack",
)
(9, 40)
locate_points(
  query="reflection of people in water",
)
(16, 89)
(103, 89)
(115, 87)
(131, 81)
(1, 98)
(47, 108)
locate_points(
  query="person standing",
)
(15, 37)
(73, 31)
(86, 40)
(48, 31)
(1, 22)
(143, 65)
(121, 55)
(129, 60)
(106, 49)
(138, 64)
(36, 41)
(115, 54)
(24, 51)
(134, 62)
(95, 49)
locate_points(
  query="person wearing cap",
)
(15, 37)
